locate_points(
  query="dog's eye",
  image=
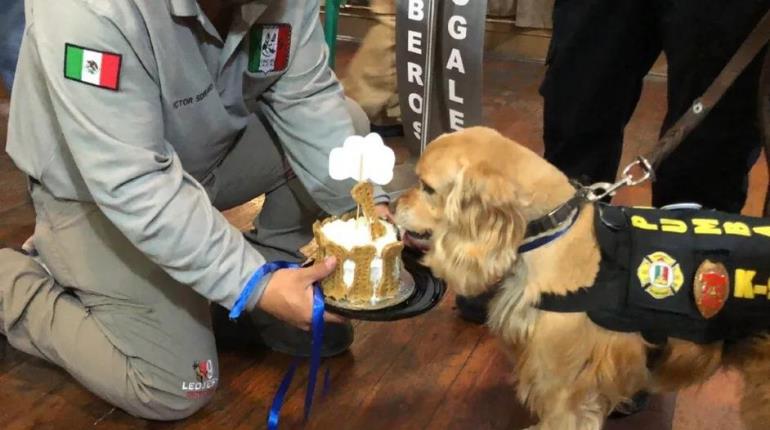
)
(426, 188)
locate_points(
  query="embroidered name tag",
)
(92, 67)
(269, 48)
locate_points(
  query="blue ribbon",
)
(275, 410)
(256, 278)
(317, 329)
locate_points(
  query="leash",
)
(701, 107)
(317, 330)
(764, 120)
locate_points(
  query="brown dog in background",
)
(478, 191)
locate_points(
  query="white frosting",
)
(354, 233)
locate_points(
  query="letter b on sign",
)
(416, 10)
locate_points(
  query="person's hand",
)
(382, 210)
(289, 294)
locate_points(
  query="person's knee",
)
(361, 122)
(21, 277)
(158, 401)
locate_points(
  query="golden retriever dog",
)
(478, 191)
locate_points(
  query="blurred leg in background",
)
(12, 25)
(371, 76)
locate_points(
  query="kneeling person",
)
(136, 122)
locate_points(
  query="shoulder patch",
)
(89, 66)
(269, 47)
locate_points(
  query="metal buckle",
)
(601, 190)
(646, 169)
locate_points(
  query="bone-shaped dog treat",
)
(363, 194)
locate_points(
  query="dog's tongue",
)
(411, 242)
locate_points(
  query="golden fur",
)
(480, 189)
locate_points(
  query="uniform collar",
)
(189, 8)
(245, 17)
(183, 7)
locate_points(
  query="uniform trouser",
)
(117, 322)
(600, 53)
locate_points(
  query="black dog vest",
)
(698, 275)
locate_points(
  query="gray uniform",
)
(128, 172)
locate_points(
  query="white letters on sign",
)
(458, 27)
(416, 10)
(414, 42)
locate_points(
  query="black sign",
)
(439, 53)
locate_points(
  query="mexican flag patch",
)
(97, 68)
(269, 47)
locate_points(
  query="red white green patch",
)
(269, 48)
(97, 68)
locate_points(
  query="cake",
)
(368, 268)
(367, 248)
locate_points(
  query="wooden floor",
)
(431, 372)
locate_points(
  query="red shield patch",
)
(711, 288)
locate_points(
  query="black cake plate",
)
(428, 292)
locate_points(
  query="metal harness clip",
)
(601, 190)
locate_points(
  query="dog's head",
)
(477, 190)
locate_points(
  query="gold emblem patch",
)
(660, 275)
(712, 288)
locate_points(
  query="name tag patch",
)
(269, 48)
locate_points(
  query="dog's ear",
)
(483, 229)
(478, 184)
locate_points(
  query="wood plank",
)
(412, 387)
(353, 374)
(67, 405)
(10, 357)
(17, 224)
(482, 397)
(24, 386)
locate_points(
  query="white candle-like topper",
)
(363, 158)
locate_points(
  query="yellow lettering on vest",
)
(737, 229)
(639, 222)
(706, 226)
(764, 231)
(744, 287)
(760, 290)
(673, 225)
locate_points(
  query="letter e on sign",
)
(414, 42)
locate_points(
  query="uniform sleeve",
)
(116, 139)
(307, 109)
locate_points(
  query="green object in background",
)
(332, 12)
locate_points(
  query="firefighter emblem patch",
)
(660, 275)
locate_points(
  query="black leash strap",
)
(764, 119)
